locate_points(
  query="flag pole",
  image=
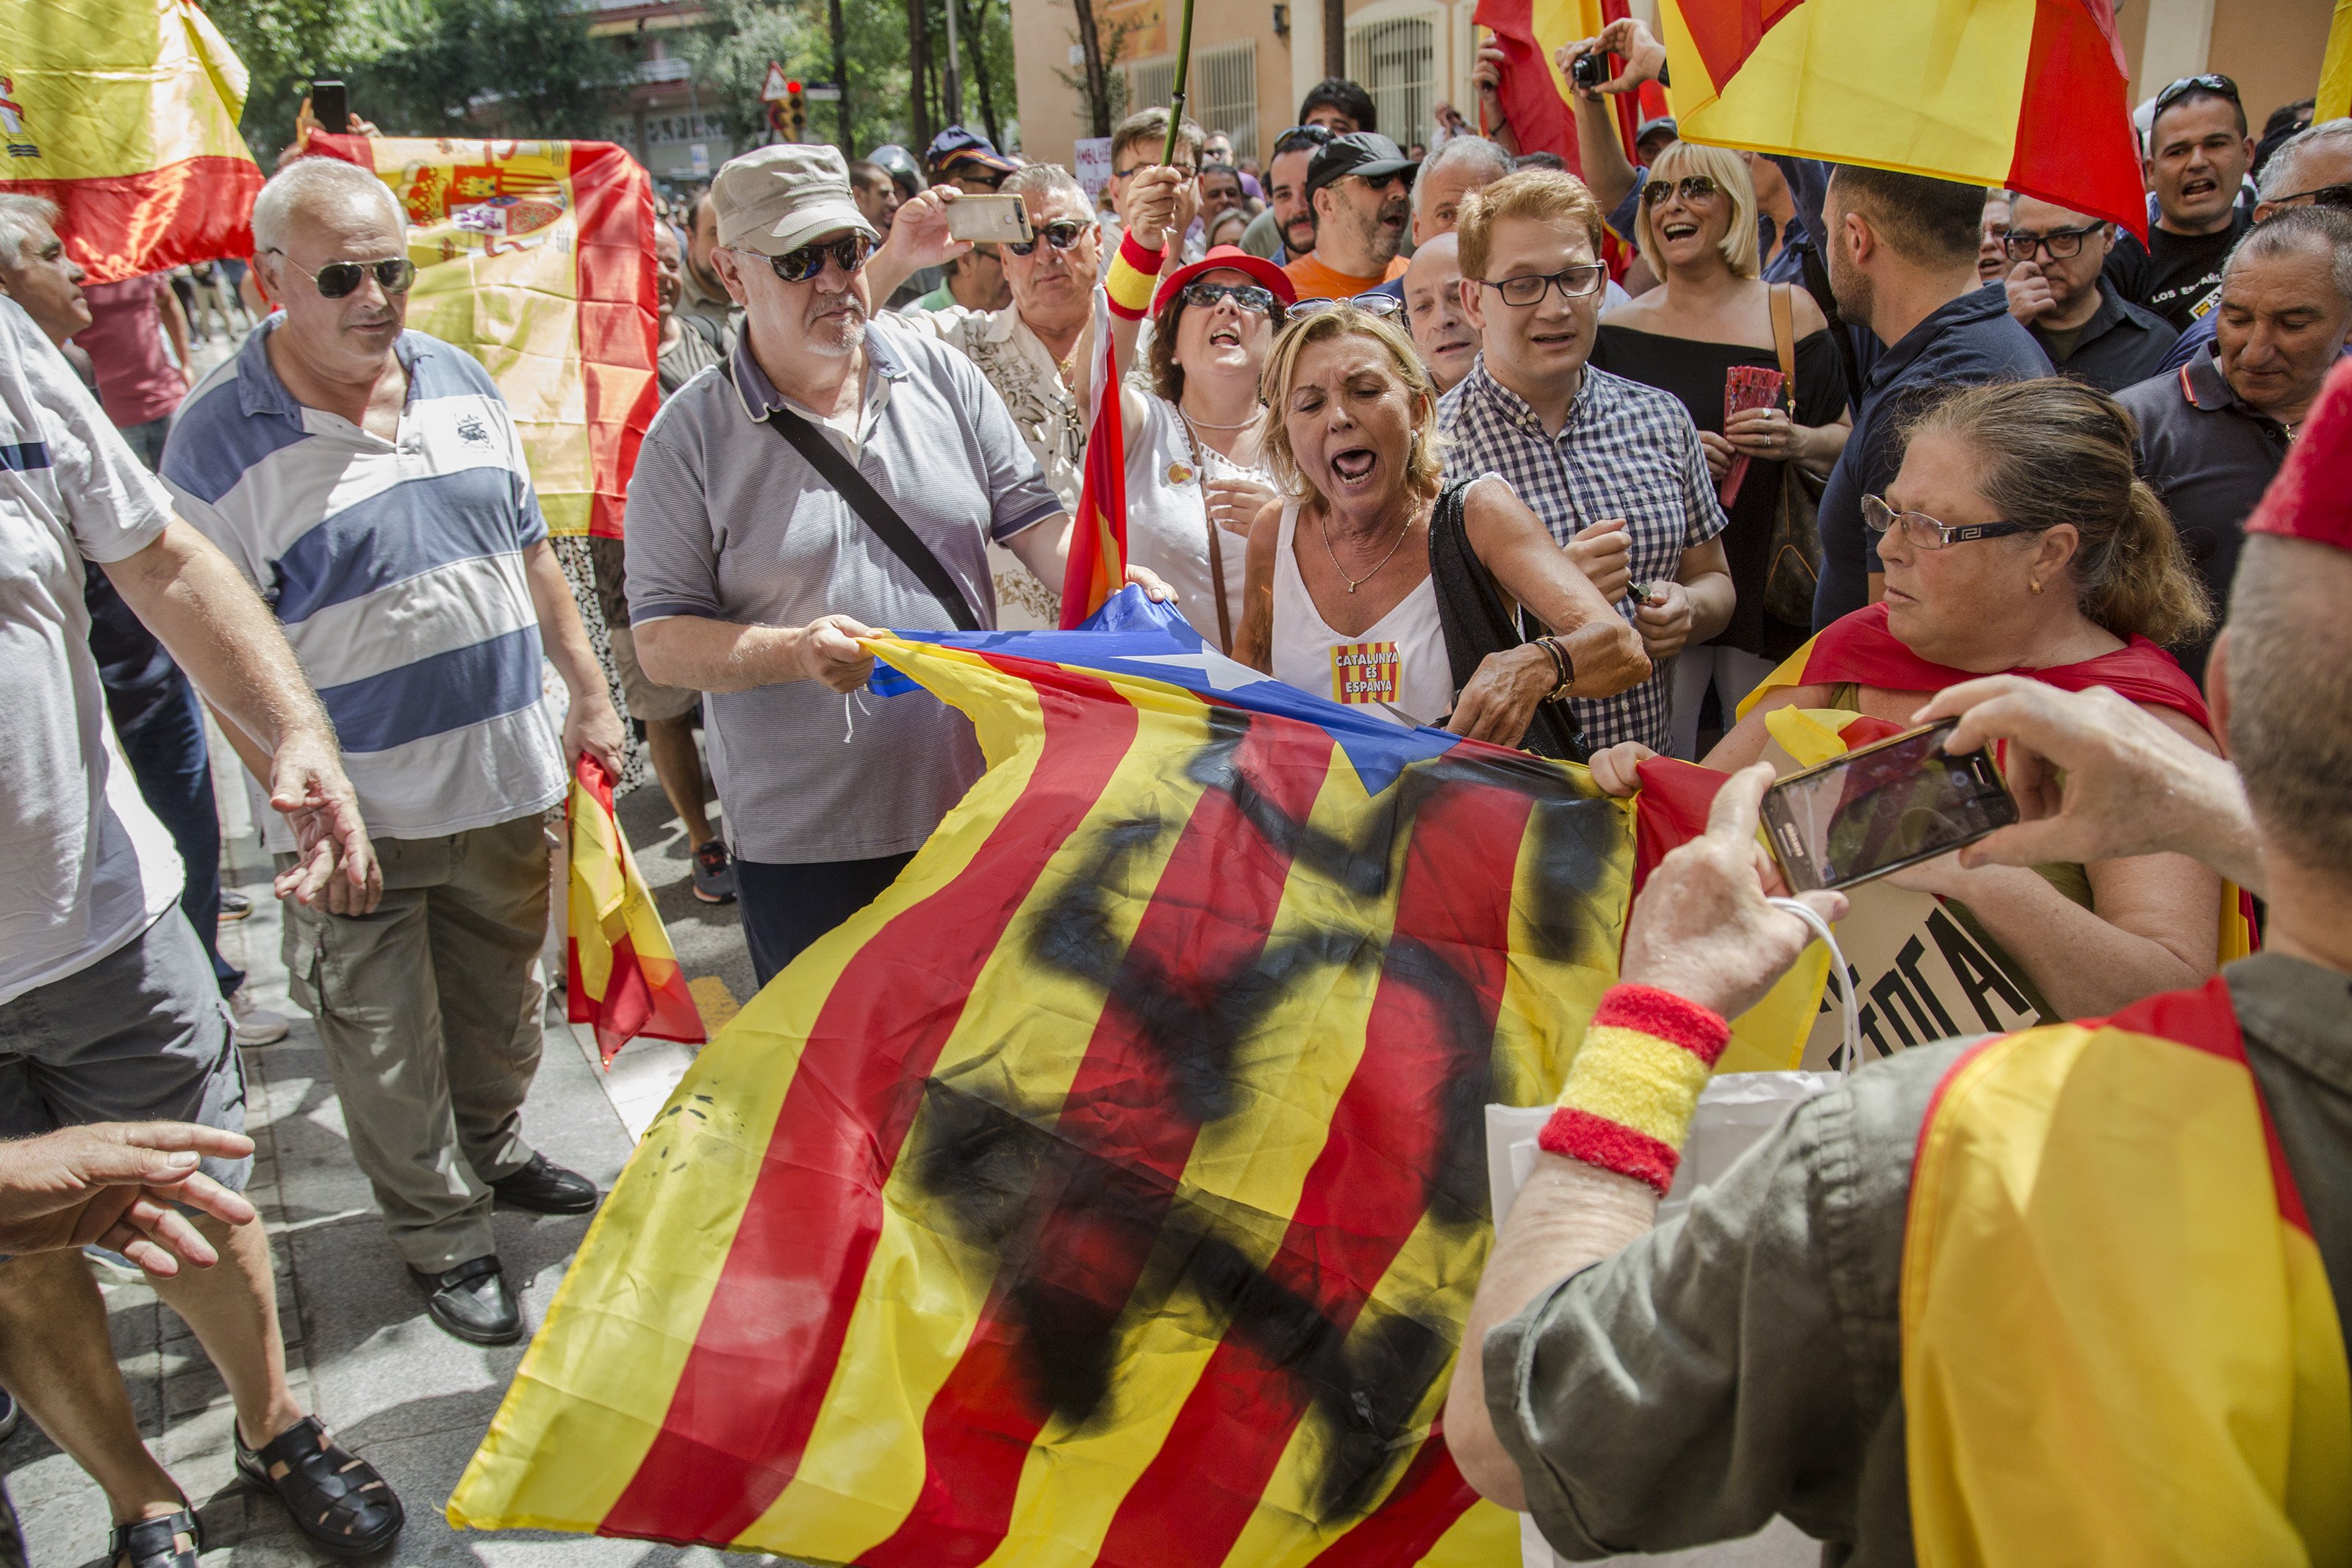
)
(1176, 91)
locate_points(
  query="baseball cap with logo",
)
(776, 199)
(1365, 152)
(957, 145)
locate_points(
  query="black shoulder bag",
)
(1470, 612)
(866, 501)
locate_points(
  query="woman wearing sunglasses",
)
(2017, 539)
(1710, 320)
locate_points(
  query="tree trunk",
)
(976, 50)
(841, 80)
(919, 77)
(1335, 37)
(1097, 78)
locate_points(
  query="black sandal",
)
(337, 1498)
(173, 1541)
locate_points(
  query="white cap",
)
(775, 199)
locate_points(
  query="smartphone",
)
(989, 219)
(1902, 800)
(331, 108)
(1590, 70)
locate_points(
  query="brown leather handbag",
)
(1796, 559)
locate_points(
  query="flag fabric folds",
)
(1112, 1190)
(2101, 1211)
(622, 974)
(124, 113)
(2028, 94)
(1534, 94)
(537, 258)
(1098, 563)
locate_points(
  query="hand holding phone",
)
(330, 106)
(1882, 808)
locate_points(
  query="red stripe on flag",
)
(620, 324)
(1725, 32)
(1415, 1517)
(1096, 567)
(2074, 141)
(749, 1395)
(199, 209)
(1366, 1192)
(1209, 913)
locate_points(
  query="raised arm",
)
(918, 238)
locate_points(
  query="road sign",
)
(774, 87)
(822, 91)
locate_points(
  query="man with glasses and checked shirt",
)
(1614, 468)
(370, 482)
(2056, 291)
(2196, 158)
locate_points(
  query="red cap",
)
(2311, 497)
(1227, 256)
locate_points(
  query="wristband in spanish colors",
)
(1134, 273)
(1635, 1083)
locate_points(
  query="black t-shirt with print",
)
(2174, 275)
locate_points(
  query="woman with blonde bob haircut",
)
(1708, 320)
(1371, 583)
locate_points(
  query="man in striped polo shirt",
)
(370, 482)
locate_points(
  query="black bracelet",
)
(1562, 665)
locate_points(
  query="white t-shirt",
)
(84, 864)
(1168, 515)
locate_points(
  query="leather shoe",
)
(472, 1302)
(546, 1188)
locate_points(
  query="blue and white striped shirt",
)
(396, 568)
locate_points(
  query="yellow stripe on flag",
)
(97, 97)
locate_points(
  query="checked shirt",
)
(1627, 451)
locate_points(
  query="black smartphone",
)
(331, 106)
(1590, 70)
(1888, 805)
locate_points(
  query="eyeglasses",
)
(338, 278)
(2337, 196)
(1692, 188)
(1250, 297)
(1370, 304)
(2063, 244)
(1923, 532)
(849, 253)
(1573, 283)
(1061, 237)
(2211, 81)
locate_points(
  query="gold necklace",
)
(1324, 524)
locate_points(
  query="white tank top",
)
(1168, 517)
(1400, 660)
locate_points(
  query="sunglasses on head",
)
(849, 253)
(1250, 297)
(1691, 188)
(2211, 81)
(338, 278)
(1061, 236)
(2337, 196)
(1370, 304)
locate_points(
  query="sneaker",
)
(233, 906)
(256, 1025)
(714, 874)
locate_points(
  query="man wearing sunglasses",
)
(840, 472)
(1361, 189)
(2057, 292)
(370, 479)
(1286, 230)
(2198, 155)
(2311, 169)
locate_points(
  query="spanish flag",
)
(1112, 1190)
(1535, 93)
(2118, 1341)
(537, 258)
(2028, 94)
(622, 974)
(1098, 563)
(123, 112)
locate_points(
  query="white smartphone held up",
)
(991, 220)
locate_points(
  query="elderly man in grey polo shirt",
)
(752, 574)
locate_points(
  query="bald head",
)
(311, 190)
(1432, 303)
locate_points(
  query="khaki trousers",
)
(429, 1011)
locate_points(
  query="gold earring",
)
(2035, 583)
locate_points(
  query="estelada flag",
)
(2119, 1345)
(1098, 562)
(1112, 1190)
(1534, 94)
(2028, 94)
(537, 258)
(123, 112)
(621, 973)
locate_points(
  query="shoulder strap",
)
(888, 527)
(1474, 621)
(1784, 340)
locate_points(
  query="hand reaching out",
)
(114, 1185)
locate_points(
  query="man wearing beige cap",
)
(770, 529)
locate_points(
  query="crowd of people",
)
(1578, 463)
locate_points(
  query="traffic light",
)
(795, 106)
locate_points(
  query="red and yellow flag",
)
(124, 113)
(1535, 93)
(622, 974)
(2118, 1341)
(1112, 1190)
(2028, 94)
(537, 258)
(1098, 563)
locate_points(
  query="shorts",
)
(140, 1035)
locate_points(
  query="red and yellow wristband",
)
(1635, 1083)
(1134, 274)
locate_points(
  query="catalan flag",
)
(2028, 94)
(622, 974)
(537, 258)
(2100, 1210)
(124, 113)
(1097, 564)
(1112, 1190)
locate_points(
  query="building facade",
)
(680, 139)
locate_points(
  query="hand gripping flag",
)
(537, 258)
(1112, 1190)
(1098, 563)
(123, 112)
(2027, 94)
(622, 974)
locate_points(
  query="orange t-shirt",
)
(1313, 280)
